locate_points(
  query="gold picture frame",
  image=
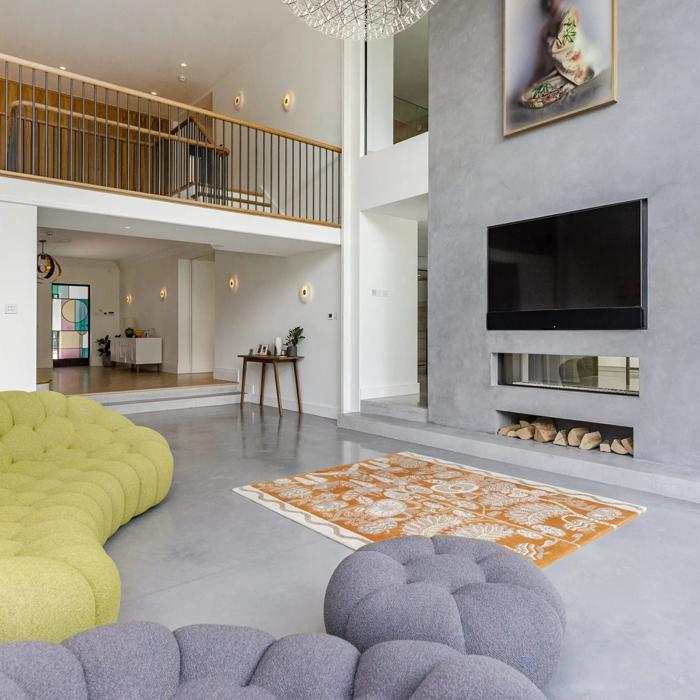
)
(518, 118)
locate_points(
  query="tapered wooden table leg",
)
(298, 384)
(243, 378)
(277, 386)
(262, 383)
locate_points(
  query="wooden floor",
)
(98, 380)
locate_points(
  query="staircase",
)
(173, 399)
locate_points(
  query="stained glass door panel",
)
(70, 324)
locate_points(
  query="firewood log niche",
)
(546, 431)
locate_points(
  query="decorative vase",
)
(107, 360)
(291, 350)
(278, 346)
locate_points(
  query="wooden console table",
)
(275, 361)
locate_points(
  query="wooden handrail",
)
(142, 131)
(164, 101)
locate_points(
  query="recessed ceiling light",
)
(153, 92)
(127, 228)
(182, 78)
(183, 65)
(62, 68)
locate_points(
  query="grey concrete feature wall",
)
(646, 146)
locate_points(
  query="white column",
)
(18, 297)
(353, 130)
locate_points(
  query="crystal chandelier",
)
(360, 19)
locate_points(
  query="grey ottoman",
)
(146, 661)
(474, 596)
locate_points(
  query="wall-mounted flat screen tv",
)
(584, 270)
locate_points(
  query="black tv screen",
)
(583, 270)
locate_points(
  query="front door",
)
(70, 324)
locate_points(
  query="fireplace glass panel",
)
(598, 374)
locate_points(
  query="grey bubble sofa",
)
(144, 661)
(473, 596)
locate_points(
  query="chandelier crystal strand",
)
(363, 20)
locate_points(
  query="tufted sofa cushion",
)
(71, 473)
(144, 660)
(474, 596)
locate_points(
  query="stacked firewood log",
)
(545, 430)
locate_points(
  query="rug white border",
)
(354, 540)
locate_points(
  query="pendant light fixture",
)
(360, 19)
(47, 267)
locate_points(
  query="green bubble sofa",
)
(71, 474)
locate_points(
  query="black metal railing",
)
(61, 126)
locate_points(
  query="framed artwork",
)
(559, 59)
(263, 350)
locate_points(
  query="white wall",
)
(103, 278)
(380, 94)
(203, 328)
(18, 287)
(266, 304)
(144, 279)
(302, 61)
(388, 301)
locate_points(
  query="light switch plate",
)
(10, 308)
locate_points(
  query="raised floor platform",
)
(670, 480)
(128, 392)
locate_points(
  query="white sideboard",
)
(137, 351)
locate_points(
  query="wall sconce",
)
(163, 293)
(305, 294)
(232, 283)
(288, 101)
(129, 299)
(238, 100)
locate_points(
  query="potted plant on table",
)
(104, 348)
(296, 335)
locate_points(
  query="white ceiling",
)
(104, 246)
(141, 43)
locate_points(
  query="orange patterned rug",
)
(408, 494)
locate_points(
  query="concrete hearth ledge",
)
(670, 480)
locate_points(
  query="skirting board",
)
(227, 375)
(314, 409)
(388, 390)
(671, 481)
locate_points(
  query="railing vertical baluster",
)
(20, 111)
(149, 160)
(160, 154)
(263, 167)
(247, 156)
(82, 134)
(117, 144)
(333, 187)
(70, 131)
(128, 143)
(313, 182)
(257, 190)
(34, 140)
(138, 146)
(96, 177)
(59, 130)
(170, 153)
(294, 170)
(279, 163)
(46, 123)
(286, 175)
(107, 145)
(205, 150)
(7, 121)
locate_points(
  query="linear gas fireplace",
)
(597, 374)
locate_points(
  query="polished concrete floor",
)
(208, 555)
